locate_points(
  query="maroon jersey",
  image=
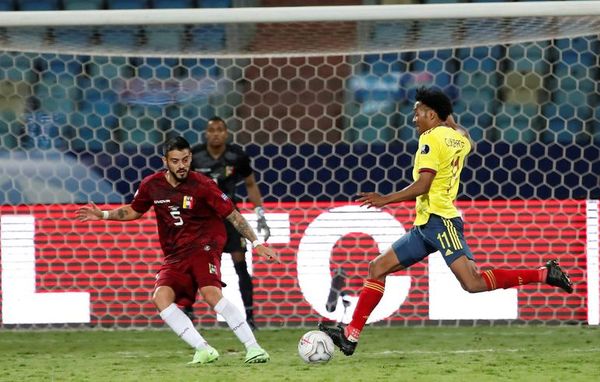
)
(189, 217)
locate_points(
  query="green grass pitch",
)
(500, 353)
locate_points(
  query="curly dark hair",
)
(436, 100)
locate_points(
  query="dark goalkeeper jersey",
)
(227, 171)
(189, 216)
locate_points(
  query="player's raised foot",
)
(204, 356)
(257, 355)
(339, 338)
(557, 277)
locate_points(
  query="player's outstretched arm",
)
(91, 212)
(419, 187)
(243, 227)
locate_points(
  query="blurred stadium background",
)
(320, 128)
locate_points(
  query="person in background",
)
(228, 165)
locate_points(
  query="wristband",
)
(105, 215)
(256, 243)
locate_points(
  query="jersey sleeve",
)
(141, 200)
(217, 199)
(429, 153)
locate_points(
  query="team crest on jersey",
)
(228, 170)
(188, 202)
(212, 269)
(425, 149)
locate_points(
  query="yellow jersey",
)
(442, 150)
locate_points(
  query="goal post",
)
(321, 98)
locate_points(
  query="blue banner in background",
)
(314, 173)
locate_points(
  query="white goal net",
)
(321, 98)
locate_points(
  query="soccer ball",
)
(315, 347)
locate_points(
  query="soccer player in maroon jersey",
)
(190, 210)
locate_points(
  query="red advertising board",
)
(115, 263)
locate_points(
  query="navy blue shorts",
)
(438, 234)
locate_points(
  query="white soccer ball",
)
(315, 347)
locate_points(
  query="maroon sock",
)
(367, 301)
(507, 278)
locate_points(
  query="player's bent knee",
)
(163, 297)
(473, 286)
(468, 287)
(211, 294)
(376, 270)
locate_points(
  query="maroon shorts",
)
(199, 269)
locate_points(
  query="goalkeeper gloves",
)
(262, 222)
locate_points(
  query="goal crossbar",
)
(293, 31)
(299, 14)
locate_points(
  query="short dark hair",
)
(217, 119)
(175, 143)
(436, 100)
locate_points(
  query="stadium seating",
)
(376, 98)
(173, 4)
(39, 5)
(127, 4)
(73, 5)
(7, 5)
(215, 3)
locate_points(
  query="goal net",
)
(321, 98)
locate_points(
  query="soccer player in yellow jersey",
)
(440, 157)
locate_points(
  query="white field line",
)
(476, 351)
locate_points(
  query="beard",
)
(181, 175)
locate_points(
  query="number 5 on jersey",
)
(176, 214)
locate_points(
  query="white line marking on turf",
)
(470, 351)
